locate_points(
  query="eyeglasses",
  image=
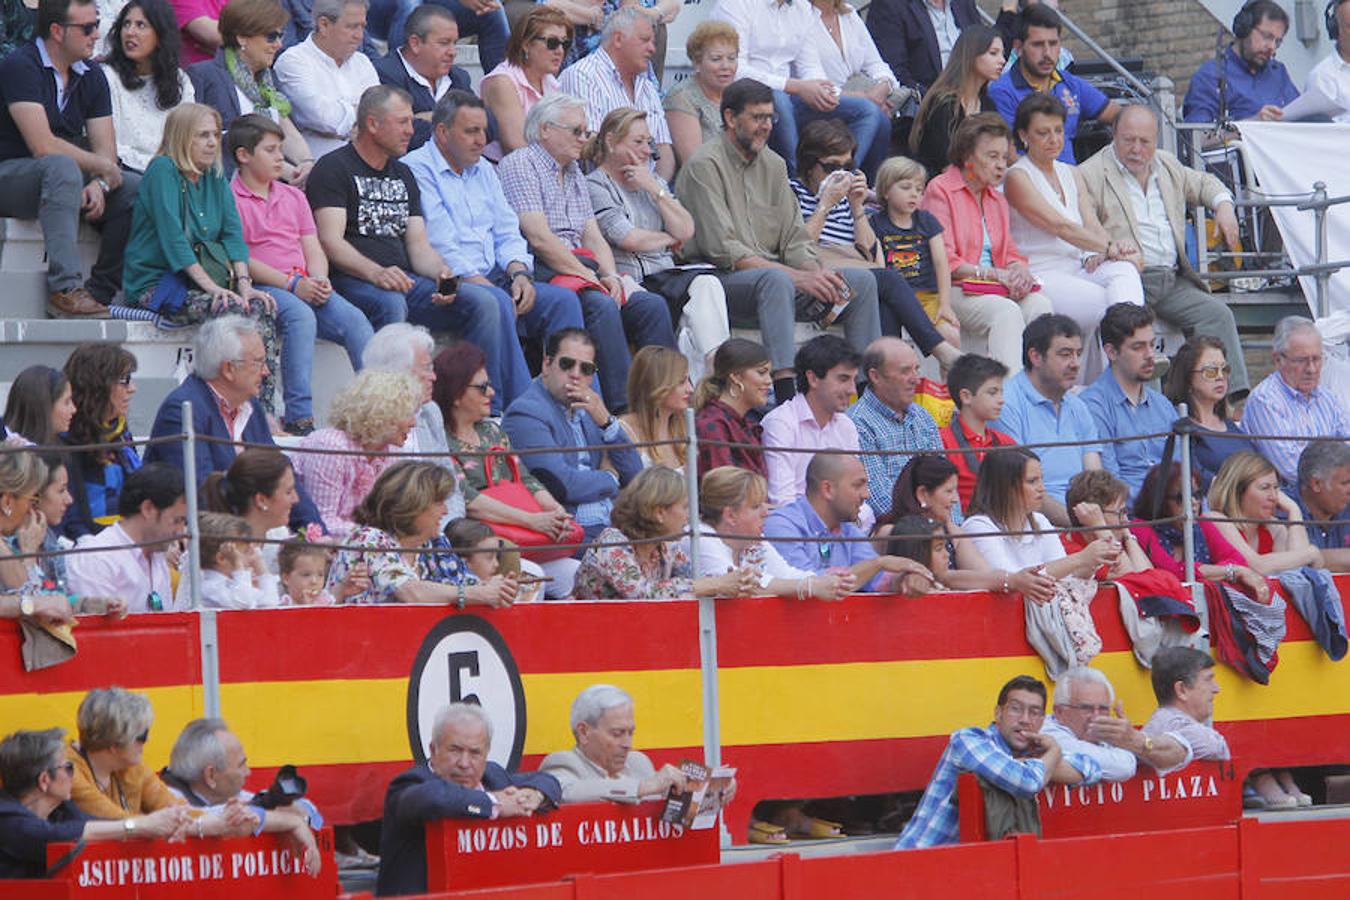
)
(1270, 38)
(580, 132)
(553, 43)
(1213, 373)
(831, 167)
(1018, 710)
(274, 37)
(566, 363)
(1118, 513)
(68, 767)
(143, 736)
(761, 118)
(1303, 362)
(257, 362)
(89, 28)
(1100, 709)
(485, 388)
(124, 381)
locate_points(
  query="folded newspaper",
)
(697, 806)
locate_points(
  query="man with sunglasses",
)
(58, 156)
(1082, 695)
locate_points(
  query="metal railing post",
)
(206, 618)
(1188, 514)
(707, 613)
(1320, 235)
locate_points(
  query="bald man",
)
(1141, 195)
(836, 485)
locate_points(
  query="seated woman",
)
(736, 501)
(534, 57)
(831, 195)
(101, 388)
(259, 487)
(1199, 378)
(1247, 486)
(374, 414)
(22, 475)
(143, 78)
(993, 292)
(693, 106)
(1055, 224)
(39, 407)
(110, 780)
(655, 504)
(960, 90)
(185, 220)
(658, 395)
(397, 522)
(1097, 499)
(726, 402)
(643, 222)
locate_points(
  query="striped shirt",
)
(1276, 408)
(596, 80)
(838, 221)
(882, 428)
(529, 178)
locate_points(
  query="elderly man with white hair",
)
(456, 781)
(1081, 694)
(1291, 400)
(544, 184)
(603, 765)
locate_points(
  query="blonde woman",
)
(659, 391)
(184, 203)
(1248, 487)
(373, 414)
(694, 106)
(22, 475)
(110, 779)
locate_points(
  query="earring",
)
(263, 507)
(733, 390)
(8, 510)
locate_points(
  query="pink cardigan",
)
(950, 198)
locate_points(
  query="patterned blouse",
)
(388, 567)
(719, 422)
(614, 573)
(472, 477)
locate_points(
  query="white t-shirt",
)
(716, 558)
(1012, 554)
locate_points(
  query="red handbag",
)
(515, 494)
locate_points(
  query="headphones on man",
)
(1329, 15)
(1244, 21)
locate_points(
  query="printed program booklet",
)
(697, 806)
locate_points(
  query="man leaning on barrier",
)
(1083, 695)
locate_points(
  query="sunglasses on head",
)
(89, 28)
(553, 43)
(566, 363)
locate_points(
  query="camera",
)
(288, 787)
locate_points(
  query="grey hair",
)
(375, 100)
(392, 347)
(112, 717)
(219, 341)
(622, 21)
(1064, 683)
(458, 712)
(332, 9)
(198, 747)
(1319, 459)
(1138, 106)
(598, 699)
(453, 100)
(548, 111)
(422, 19)
(1289, 326)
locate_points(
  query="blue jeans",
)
(299, 324)
(643, 320)
(386, 19)
(869, 123)
(554, 309)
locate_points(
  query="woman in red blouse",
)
(726, 400)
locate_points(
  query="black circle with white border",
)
(464, 659)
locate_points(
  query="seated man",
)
(228, 367)
(1122, 403)
(747, 223)
(1331, 76)
(58, 156)
(814, 419)
(425, 65)
(1012, 754)
(153, 511)
(457, 781)
(619, 73)
(916, 37)
(325, 77)
(836, 486)
(1255, 84)
(1291, 400)
(603, 765)
(1038, 408)
(1081, 695)
(560, 410)
(544, 184)
(368, 208)
(1185, 687)
(1324, 495)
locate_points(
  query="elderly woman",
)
(655, 504)
(544, 184)
(726, 401)
(101, 387)
(396, 523)
(659, 392)
(534, 57)
(1055, 225)
(39, 407)
(1097, 499)
(239, 79)
(1248, 487)
(694, 106)
(186, 259)
(1199, 378)
(110, 779)
(143, 77)
(736, 501)
(374, 414)
(643, 222)
(960, 91)
(993, 292)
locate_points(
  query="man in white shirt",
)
(153, 513)
(1082, 694)
(1332, 75)
(324, 76)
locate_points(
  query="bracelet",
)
(1005, 582)
(293, 281)
(1229, 572)
(461, 601)
(200, 834)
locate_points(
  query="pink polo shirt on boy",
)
(273, 225)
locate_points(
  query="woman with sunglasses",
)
(534, 57)
(143, 78)
(1199, 378)
(101, 386)
(239, 78)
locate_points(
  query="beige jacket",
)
(584, 782)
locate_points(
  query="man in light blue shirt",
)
(1083, 695)
(476, 231)
(1038, 408)
(1121, 401)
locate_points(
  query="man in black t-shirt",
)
(58, 155)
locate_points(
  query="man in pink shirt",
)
(286, 261)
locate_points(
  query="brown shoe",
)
(76, 303)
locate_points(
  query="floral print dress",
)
(615, 573)
(390, 569)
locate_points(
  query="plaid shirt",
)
(719, 422)
(336, 483)
(880, 428)
(984, 752)
(529, 178)
(1275, 408)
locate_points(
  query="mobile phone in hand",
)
(447, 286)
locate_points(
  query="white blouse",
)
(1012, 554)
(859, 55)
(1042, 249)
(137, 120)
(716, 558)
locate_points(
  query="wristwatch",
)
(1148, 743)
(26, 605)
(103, 183)
(663, 194)
(129, 828)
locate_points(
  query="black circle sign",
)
(463, 659)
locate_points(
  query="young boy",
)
(286, 261)
(233, 576)
(976, 387)
(911, 242)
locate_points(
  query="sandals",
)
(812, 828)
(766, 833)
